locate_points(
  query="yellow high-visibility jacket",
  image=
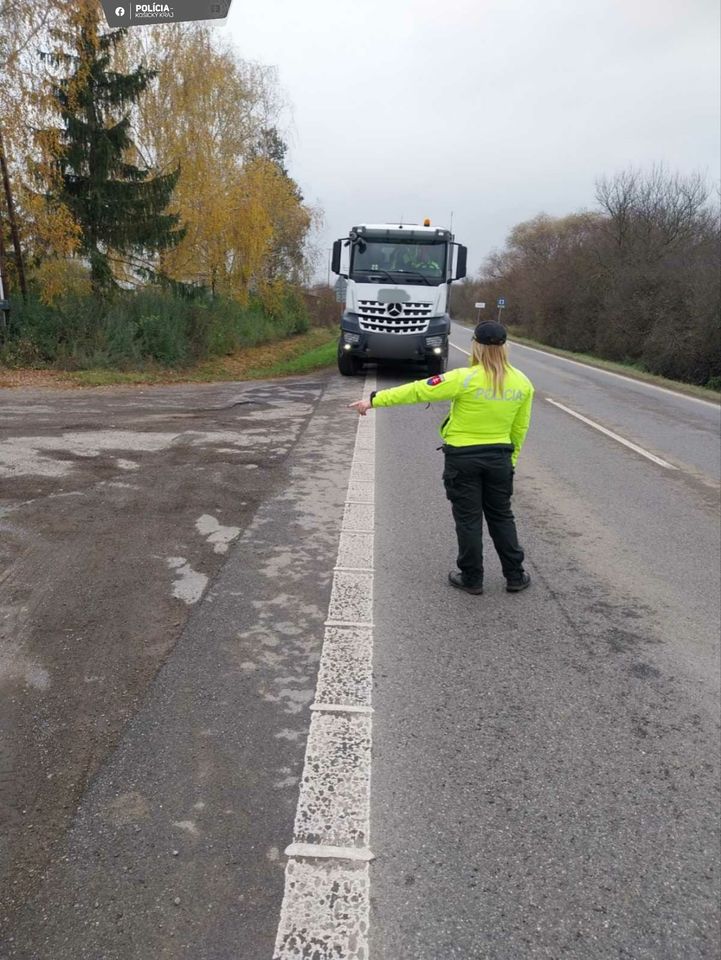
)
(477, 415)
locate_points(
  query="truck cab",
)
(397, 294)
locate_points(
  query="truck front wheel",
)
(437, 365)
(348, 365)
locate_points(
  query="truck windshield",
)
(398, 260)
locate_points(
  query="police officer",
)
(482, 438)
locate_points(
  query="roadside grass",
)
(626, 369)
(303, 353)
(322, 356)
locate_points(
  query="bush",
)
(149, 327)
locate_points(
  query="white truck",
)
(398, 282)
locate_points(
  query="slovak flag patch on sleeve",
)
(434, 381)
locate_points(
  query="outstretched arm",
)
(433, 390)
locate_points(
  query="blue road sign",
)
(502, 302)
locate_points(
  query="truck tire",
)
(437, 365)
(348, 365)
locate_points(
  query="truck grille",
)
(376, 317)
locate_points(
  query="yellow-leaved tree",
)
(213, 114)
(32, 226)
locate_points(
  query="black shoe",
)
(515, 586)
(456, 580)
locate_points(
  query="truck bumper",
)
(394, 346)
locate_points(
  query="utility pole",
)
(20, 266)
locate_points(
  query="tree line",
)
(636, 280)
(143, 161)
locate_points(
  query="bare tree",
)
(636, 281)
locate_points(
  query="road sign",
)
(480, 306)
(501, 303)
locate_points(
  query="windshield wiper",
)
(415, 273)
(376, 272)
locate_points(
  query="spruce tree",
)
(118, 205)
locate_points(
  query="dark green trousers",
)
(479, 483)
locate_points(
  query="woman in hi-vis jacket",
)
(482, 437)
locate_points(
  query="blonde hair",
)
(493, 357)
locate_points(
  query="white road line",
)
(614, 436)
(326, 903)
(609, 373)
(348, 623)
(339, 708)
(323, 851)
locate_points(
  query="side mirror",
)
(337, 250)
(461, 262)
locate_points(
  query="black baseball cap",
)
(490, 332)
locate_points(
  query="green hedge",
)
(137, 329)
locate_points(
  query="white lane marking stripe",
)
(348, 623)
(609, 373)
(340, 708)
(326, 901)
(344, 672)
(327, 851)
(353, 569)
(368, 503)
(614, 436)
(337, 883)
(333, 804)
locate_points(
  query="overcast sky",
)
(493, 109)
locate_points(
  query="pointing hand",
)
(361, 406)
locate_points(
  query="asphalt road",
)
(167, 560)
(545, 778)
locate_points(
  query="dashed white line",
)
(326, 903)
(614, 436)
